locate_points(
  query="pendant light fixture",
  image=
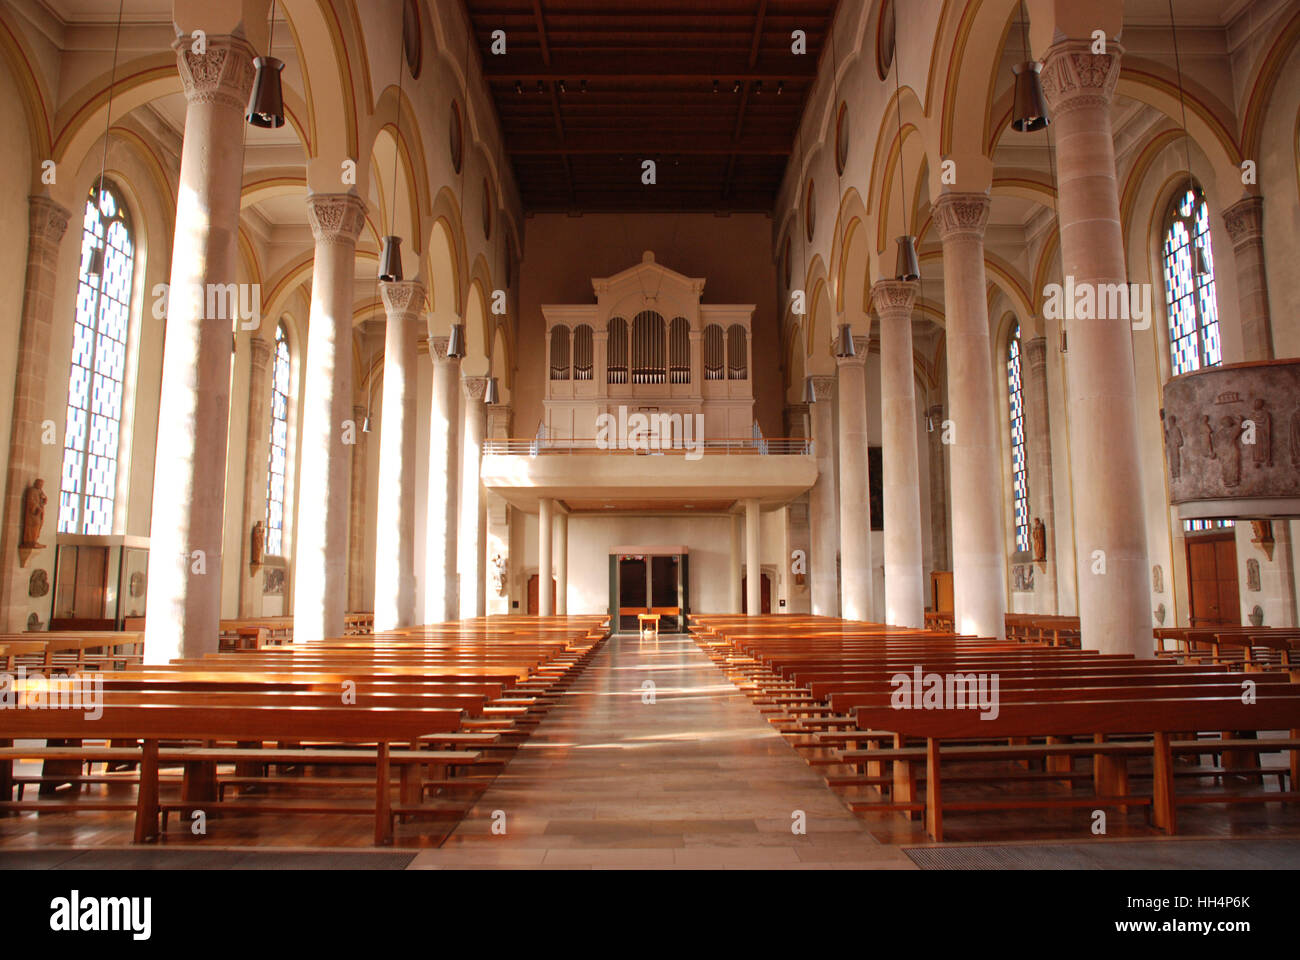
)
(1200, 263)
(266, 106)
(96, 266)
(908, 266)
(844, 342)
(1030, 111)
(492, 394)
(809, 391)
(390, 259)
(390, 254)
(456, 342)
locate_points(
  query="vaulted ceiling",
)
(710, 90)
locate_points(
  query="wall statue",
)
(1038, 537)
(256, 548)
(499, 574)
(39, 584)
(1252, 575)
(1158, 578)
(34, 502)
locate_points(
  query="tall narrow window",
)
(737, 354)
(679, 350)
(94, 416)
(714, 353)
(1190, 292)
(616, 351)
(560, 352)
(279, 445)
(582, 352)
(1019, 471)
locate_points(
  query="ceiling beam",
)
(758, 33)
(643, 66)
(648, 142)
(541, 32)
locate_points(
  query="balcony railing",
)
(737, 446)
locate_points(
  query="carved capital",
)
(823, 388)
(1036, 352)
(404, 299)
(1074, 77)
(222, 74)
(359, 412)
(259, 351)
(47, 222)
(1245, 221)
(894, 299)
(336, 217)
(438, 347)
(475, 387)
(961, 215)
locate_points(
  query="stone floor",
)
(653, 759)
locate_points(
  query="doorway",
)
(765, 589)
(649, 583)
(534, 597)
(1213, 591)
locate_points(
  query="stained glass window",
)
(1019, 469)
(1190, 292)
(94, 416)
(279, 444)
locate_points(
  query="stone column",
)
(1245, 223)
(823, 501)
(562, 564)
(256, 467)
(357, 559)
(1038, 441)
(321, 557)
(753, 559)
(442, 593)
(737, 535)
(183, 608)
(978, 551)
(472, 538)
(46, 224)
(545, 527)
(1106, 456)
(938, 489)
(904, 568)
(395, 522)
(856, 582)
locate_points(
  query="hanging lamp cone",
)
(456, 342)
(266, 107)
(809, 391)
(492, 394)
(844, 342)
(390, 260)
(908, 267)
(1030, 112)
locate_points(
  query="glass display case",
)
(100, 583)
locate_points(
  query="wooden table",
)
(650, 619)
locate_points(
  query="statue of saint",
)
(1227, 450)
(1174, 446)
(34, 515)
(257, 548)
(1039, 539)
(1263, 421)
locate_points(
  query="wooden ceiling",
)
(708, 89)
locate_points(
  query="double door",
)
(649, 583)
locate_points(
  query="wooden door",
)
(534, 601)
(765, 594)
(1212, 580)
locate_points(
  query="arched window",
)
(679, 350)
(560, 352)
(737, 355)
(616, 351)
(94, 416)
(648, 347)
(279, 456)
(1019, 470)
(714, 353)
(1189, 287)
(582, 352)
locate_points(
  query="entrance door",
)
(664, 600)
(765, 594)
(534, 598)
(649, 584)
(1212, 580)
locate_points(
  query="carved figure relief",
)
(34, 502)
(1252, 575)
(1158, 578)
(1022, 577)
(1174, 446)
(273, 582)
(39, 584)
(1160, 613)
(1257, 616)
(1295, 438)
(499, 574)
(1263, 447)
(137, 584)
(1227, 450)
(33, 623)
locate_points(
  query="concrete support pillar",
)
(358, 562)
(978, 551)
(856, 575)
(562, 564)
(1111, 547)
(823, 504)
(472, 538)
(395, 523)
(938, 489)
(256, 464)
(904, 575)
(545, 527)
(320, 592)
(442, 591)
(183, 608)
(737, 562)
(1245, 223)
(753, 559)
(46, 224)
(1038, 440)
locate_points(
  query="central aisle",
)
(695, 778)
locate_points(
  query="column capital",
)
(936, 411)
(823, 388)
(259, 350)
(47, 221)
(222, 74)
(475, 387)
(336, 217)
(438, 350)
(894, 298)
(403, 299)
(1035, 351)
(359, 411)
(1245, 221)
(1074, 77)
(961, 215)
